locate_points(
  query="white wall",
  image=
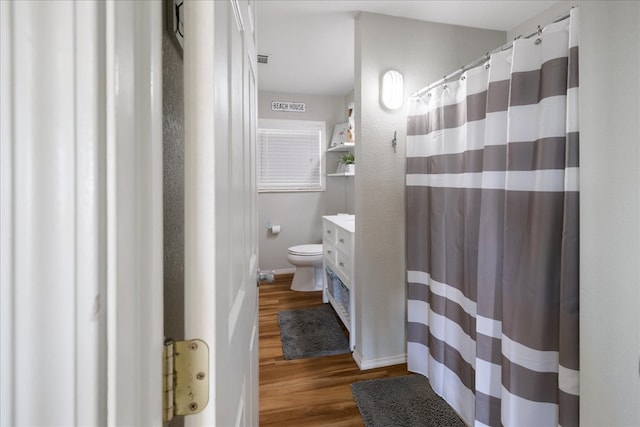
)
(610, 213)
(173, 183)
(299, 213)
(546, 17)
(423, 52)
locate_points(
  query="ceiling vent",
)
(263, 59)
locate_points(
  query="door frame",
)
(81, 204)
(81, 247)
(135, 212)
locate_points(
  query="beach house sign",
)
(286, 106)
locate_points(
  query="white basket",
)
(344, 297)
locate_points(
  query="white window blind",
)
(290, 155)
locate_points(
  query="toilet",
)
(308, 262)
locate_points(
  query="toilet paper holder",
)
(275, 229)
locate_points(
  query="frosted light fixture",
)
(392, 90)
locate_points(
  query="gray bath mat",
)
(405, 401)
(311, 332)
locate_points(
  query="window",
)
(290, 155)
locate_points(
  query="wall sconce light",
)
(391, 93)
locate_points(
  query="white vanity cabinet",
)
(338, 243)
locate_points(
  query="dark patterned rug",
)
(406, 401)
(311, 332)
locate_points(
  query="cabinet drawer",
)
(343, 240)
(329, 231)
(343, 263)
(329, 251)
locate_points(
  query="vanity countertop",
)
(348, 222)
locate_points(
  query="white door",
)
(220, 204)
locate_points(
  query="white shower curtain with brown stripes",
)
(492, 235)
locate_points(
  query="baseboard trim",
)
(284, 271)
(378, 363)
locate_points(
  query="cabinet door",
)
(343, 240)
(328, 231)
(329, 252)
(343, 265)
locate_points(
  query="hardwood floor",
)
(305, 392)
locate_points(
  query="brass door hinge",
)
(185, 378)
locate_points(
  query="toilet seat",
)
(306, 250)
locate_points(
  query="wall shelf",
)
(342, 147)
(341, 174)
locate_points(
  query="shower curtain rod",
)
(484, 58)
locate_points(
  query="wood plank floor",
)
(305, 392)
